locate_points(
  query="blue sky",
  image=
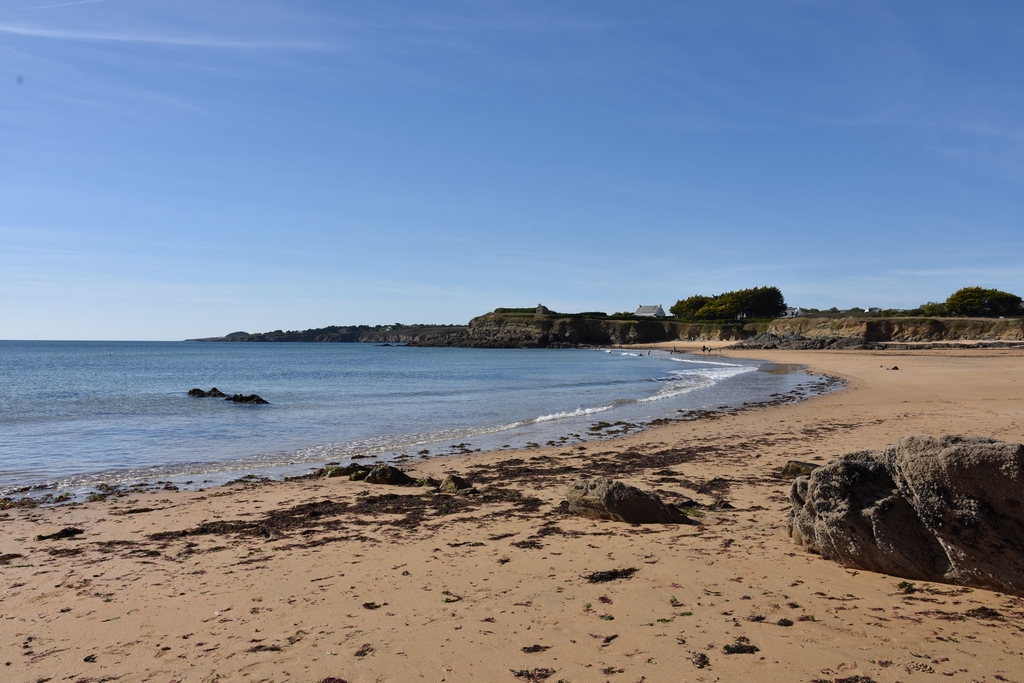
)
(179, 169)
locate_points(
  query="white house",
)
(651, 311)
(792, 312)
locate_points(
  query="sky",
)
(174, 169)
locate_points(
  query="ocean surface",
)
(76, 414)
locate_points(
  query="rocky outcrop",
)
(947, 509)
(788, 340)
(602, 498)
(236, 398)
(212, 393)
(250, 398)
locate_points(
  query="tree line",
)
(768, 302)
(758, 302)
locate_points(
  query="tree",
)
(687, 308)
(933, 310)
(984, 303)
(722, 307)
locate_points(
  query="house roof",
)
(650, 310)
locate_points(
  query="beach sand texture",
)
(299, 581)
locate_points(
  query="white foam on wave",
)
(686, 381)
(706, 362)
(579, 412)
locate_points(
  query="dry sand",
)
(305, 580)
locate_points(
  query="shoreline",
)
(567, 428)
(302, 580)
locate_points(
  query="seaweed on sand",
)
(407, 511)
(533, 675)
(611, 575)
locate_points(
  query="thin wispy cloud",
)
(155, 39)
(63, 4)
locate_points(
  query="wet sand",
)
(304, 580)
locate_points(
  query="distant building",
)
(792, 312)
(541, 310)
(873, 309)
(651, 311)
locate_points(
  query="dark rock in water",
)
(948, 509)
(251, 398)
(795, 468)
(388, 474)
(212, 393)
(66, 532)
(602, 498)
(454, 484)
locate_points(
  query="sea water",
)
(75, 414)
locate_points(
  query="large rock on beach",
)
(388, 474)
(947, 509)
(602, 498)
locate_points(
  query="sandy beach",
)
(305, 580)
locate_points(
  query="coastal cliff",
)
(503, 330)
(498, 330)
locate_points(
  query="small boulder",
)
(602, 498)
(795, 468)
(428, 482)
(388, 474)
(454, 484)
(359, 474)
